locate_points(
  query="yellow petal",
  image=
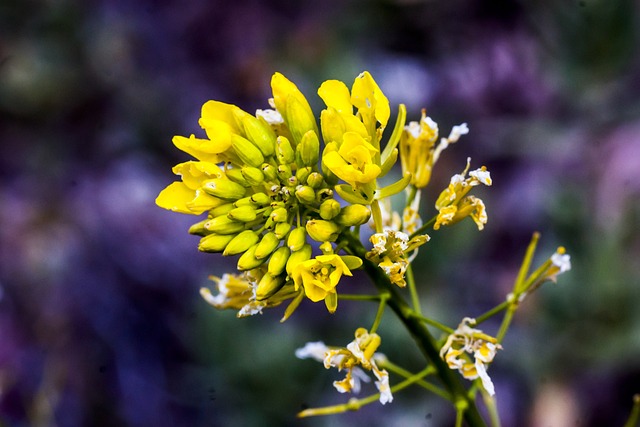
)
(221, 111)
(335, 94)
(175, 198)
(369, 99)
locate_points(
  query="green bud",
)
(224, 225)
(303, 173)
(215, 242)
(198, 228)
(254, 176)
(284, 151)
(241, 242)
(329, 209)
(300, 118)
(323, 231)
(297, 257)
(247, 151)
(292, 181)
(248, 261)
(268, 285)
(236, 176)
(352, 215)
(243, 213)
(260, 134)
(279, 215)
(281, 229)
(270, 172)
(315, 180)
(297, 238)
(284, 173)
(308, 150)
(267, 245)
(305, 194)
(278, 260)
(260, 199)
(221, 210)
(224, 189)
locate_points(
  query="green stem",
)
(415, 299)
(424, 227)
(635, 413)
(381, 306)
(495, 310)
(435, 323)
(418, 330)
(392, 367)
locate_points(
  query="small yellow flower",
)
(320, 276)
(353, 161)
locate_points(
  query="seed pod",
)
(224, 225)
(224, 189)
(248, 261)
(352, 215)
(284, 151)
(281, 229)
(323, 231)
(241, 242)
(305, 194)
(253, 176)
(297, 238)
(267, 245)
(329, 209)
(243, 213)
(268, 286)
(215, 242)
(297, 257)
(278, 260)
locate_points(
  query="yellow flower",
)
(320, 276)
(353, 161)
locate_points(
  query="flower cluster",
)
(268, 194)
(357, 356)
(465, 342)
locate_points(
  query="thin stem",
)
(492, 408)
(381, 306)
(355, 297)
(635, 413)
(495, 310)
(392, 367)
(424, 227)
(413, 291)
(506, 321)
(434, 323)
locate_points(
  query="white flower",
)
(272, 117)
(383, 385)
(562, 261)
(313, 350)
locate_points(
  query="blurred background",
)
(101, 323)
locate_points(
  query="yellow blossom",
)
(320, 276)
(353, 161)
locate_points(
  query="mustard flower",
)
(465, 342)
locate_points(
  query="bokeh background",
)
(101, 323)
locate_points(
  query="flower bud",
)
(323, 231)
(236, 176)
(315, 180)
(260, 134)
(308, 150)
(268, 285)
(284, 151)
(224, 189)
(284, 173)
(243, 213)
(297, 257)
(329, 209)
(281, 229)
(224, 225)
(248, 261)
(305, 194)
(297, 238)
(260, 199)
(279, 215)
(241, 242)
(352, 215)
(270, 172)
(221, 210)
(324, 194)
(300, 119)
(246, 151)
(303, 173)
(267, 245)
(214, 242)
(198, 228)
(254, 176)
(278, 260)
